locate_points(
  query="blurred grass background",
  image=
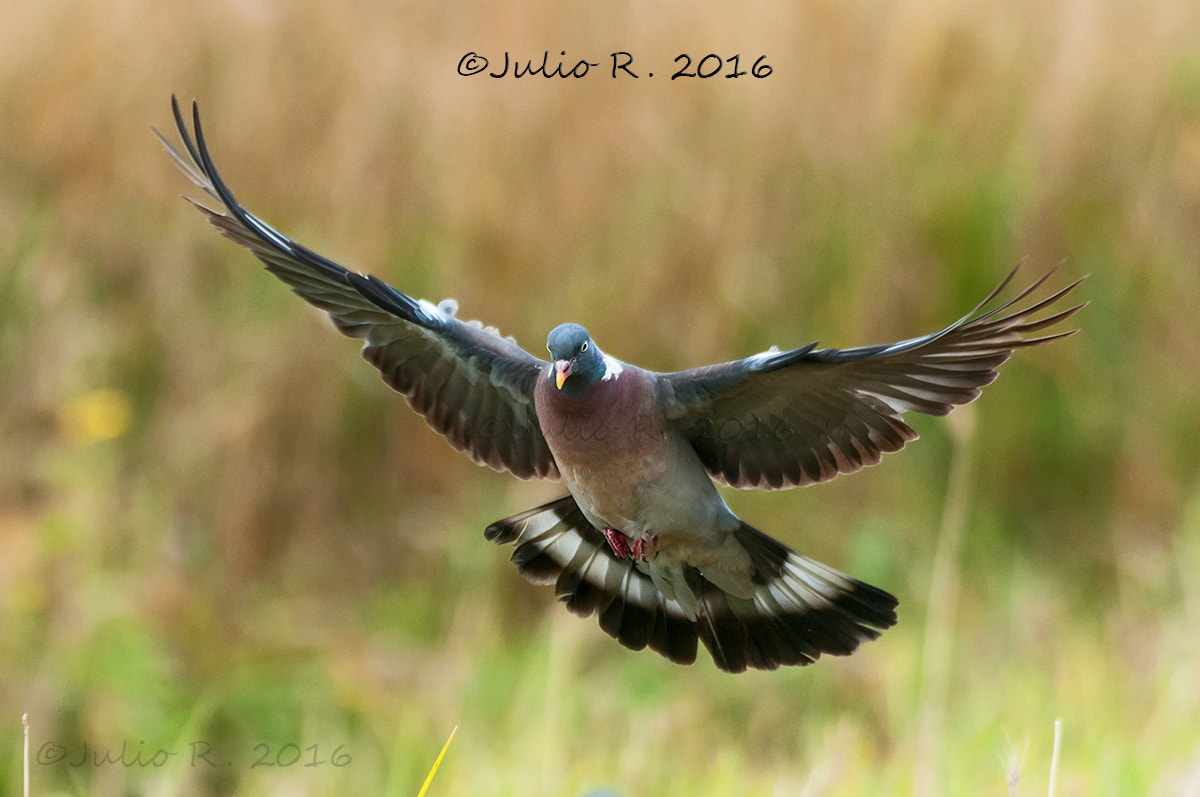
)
(217, 525)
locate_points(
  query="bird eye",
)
(583, 348)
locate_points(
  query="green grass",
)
(218, 528)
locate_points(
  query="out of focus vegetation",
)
(218, 527)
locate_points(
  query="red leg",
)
(644, 548)
(618, 543)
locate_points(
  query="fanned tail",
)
(800, 608)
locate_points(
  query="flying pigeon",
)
(643, 539)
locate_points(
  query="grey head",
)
(578, 363)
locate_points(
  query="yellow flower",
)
(97, 415)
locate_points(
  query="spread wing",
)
(787, 419)
(470, 384)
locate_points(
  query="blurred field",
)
(218, 527)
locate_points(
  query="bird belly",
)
(659, 490)
(629, 470)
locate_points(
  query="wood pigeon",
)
(643, 539)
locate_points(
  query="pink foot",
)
(616, 541)
(644, 548)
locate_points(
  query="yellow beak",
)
(562, 369)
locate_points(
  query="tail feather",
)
(800, 608)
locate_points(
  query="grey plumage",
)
(643, 540)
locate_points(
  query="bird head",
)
(578, 362)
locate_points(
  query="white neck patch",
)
(612, 368)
